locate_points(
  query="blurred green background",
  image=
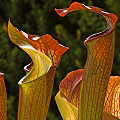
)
(39, 17)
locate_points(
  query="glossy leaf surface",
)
(67, 110)
(72, 82)
(97, 70)
(112, 100)
(70, 86)
(68, 97)
(3, 98)
(36, 87)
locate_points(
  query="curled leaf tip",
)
(45, 44)
(97, 70)
(110, 18)
(61, 12)
(42, 63)
(45, 53)
(49, 46)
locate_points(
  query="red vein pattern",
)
(3, 98)
(107, 116)
(46, 44)
(35, 88)
(112, 100)
(100, 47)
(96, 76)
(67, 98)
(49, 46)
(70, 86)
(34, 97)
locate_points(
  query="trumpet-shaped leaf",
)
(97, 70)
(35, 88)
(3, 98)
(72, 82)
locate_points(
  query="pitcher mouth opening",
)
(97, 35)
(28, 67)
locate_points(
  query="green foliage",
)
(10, 108)
(39, 17)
